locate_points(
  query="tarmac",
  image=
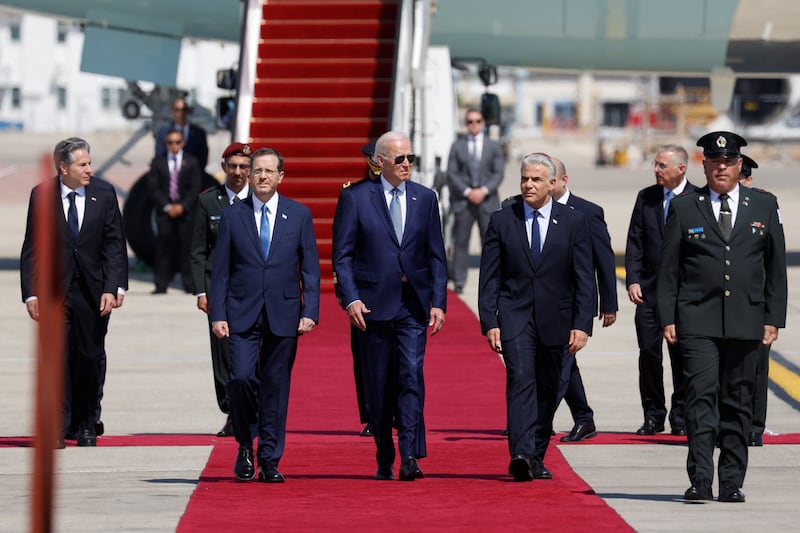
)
(147, 488)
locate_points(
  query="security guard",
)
(721, 293)
(756, 437)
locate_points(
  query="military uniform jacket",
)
(710, 287)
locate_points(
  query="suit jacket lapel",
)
(522, 233)
(552, 228)
(379, 201)
(742, 212)
(248, 220)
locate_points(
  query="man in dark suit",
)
(721, 293)
(373, 173)
(264, 293)
(390, 265)
(194, 137)
(93, 248)
(174, 183)
(536, 296)
(642, 260)
(474, 172)
(571, 388)
(756, 436)
(236, 165)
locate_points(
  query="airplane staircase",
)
(322, 90)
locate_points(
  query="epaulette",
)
(764, 191)
(346, 185)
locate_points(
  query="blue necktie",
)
(72, 216)
(668, 196)
(264, 234)
(536, 242)
(397, 216)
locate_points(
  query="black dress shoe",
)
(227, 429)
(459, 289)
(580, 432)
(650, 427)
(99, 428)
(87, 437)
(268, 473)
(539, 471)
(520, 468)
(679, 431)
(384, 473)
(699, 491)
(158, 291)
(244, 469)
(755, 438)
(730, 493)
(367, 431)
(410, 470)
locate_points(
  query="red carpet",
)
(329, 469)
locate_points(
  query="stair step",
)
(295, 186)
(322, 128)
(274, 68)
(326, 48)
(305, 9)
(309, 88)
(330, 28)
(320, 107)
(313, 147)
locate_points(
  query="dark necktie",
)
(536, 242)
(72, 216)
(668, 196)
(264, 233)
(236, 199)
(725, 216)
(396, 214)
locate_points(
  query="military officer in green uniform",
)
(721, 293)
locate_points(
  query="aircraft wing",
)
(141, 40)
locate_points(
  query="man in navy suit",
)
(391, 271)
(571, 388)
(264, 293)
(536, 296)
(642, 261)
(236, 165)
(174, 183)
(94, 271)
(475, 170)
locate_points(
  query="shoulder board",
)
(346, 185)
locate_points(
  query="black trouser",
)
(358, 374)
(173, 244)
(85, 340)
(221, 364)
(532, 379)
(720, 376)
(651, 370)
(762, 386)
(571, 390)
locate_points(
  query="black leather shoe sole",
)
(539, 471)
(698, 494)
(520, 469)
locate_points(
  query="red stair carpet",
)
(329, 469)
(322, 90)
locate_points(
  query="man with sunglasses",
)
(194, 137)
(174, 182)
(721, 294)
(391, 271)
(236, 165)
(474, 172)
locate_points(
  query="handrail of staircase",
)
(409, 75)
(248, 60)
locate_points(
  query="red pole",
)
(50, 348)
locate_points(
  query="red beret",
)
(237, 149)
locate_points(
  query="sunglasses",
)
(174, 142)
(475, 121)
(400, 158)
